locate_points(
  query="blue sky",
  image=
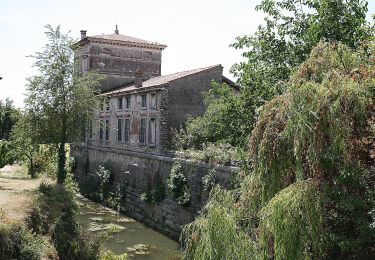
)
(197, 33)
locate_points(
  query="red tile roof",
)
(160, 80)
(120, 39)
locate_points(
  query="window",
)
(142, 132)
(127, 102)
(144, 100)
(85, 64)
(90, 129)
(153, 100)
(119, 129)
(152, 131)
(119, 101)
(107, 104)
(101, 131)
(107, 129)
(127, 130)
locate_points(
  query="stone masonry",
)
(133, 127)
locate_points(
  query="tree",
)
(8, 117)
(22, 144)
(228, 119)
(283, 42)
(310, 194)
(60, 99)
(290, 30)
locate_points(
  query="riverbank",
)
(17, 201)
(17, 191)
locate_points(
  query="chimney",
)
(138, 77)
(83, 34)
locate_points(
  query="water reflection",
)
(130, 236)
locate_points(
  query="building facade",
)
(133, 130)
(141, 107)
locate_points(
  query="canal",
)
(130, 236)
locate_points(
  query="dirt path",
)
(16, 195)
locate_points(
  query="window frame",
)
(144, 104)
(127, 133)
(120, 123)
(142, 134)
(153, 106)
(101, 129)
(150, 131)
(107, 126)
(127, 102)
(120, 103)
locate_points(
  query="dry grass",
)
(16, 193)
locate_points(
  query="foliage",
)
(291, 29)
(71, 241)
(18, 242)
(146, 197)
(59, 99)
(100, 187)
(223, 154)
(215, 234)
(54, 214)
(5, 153)
(292, 222)
(310, 194)
(108, 255)
(157, 194)
(208, 180)
(177, 184)
(8, 118)
(228, 118)
(23, 147)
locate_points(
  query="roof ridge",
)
(162, 80)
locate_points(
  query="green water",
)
(130, 236)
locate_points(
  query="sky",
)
(198, 32)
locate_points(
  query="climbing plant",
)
(177, 184)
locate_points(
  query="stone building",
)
(142, 106)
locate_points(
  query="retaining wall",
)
(142, 172)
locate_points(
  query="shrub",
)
(177, 185)
(108, 255)
(70, 240)
(17, 242)
(54, 214)
(208, 180)
(159, 192)
(223, 154)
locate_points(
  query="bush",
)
(108, 255)
(5, 155)
(208, 180)
(70, 240)
(222, 154)
(177, 185)
(17, 242)
(54, 214)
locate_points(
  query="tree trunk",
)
(61, 172)
(31, 169)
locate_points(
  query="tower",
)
(118, 56)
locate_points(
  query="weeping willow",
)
(311, 192)
(212, 234)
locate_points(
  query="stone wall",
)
(185, 95)
(142, 172)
